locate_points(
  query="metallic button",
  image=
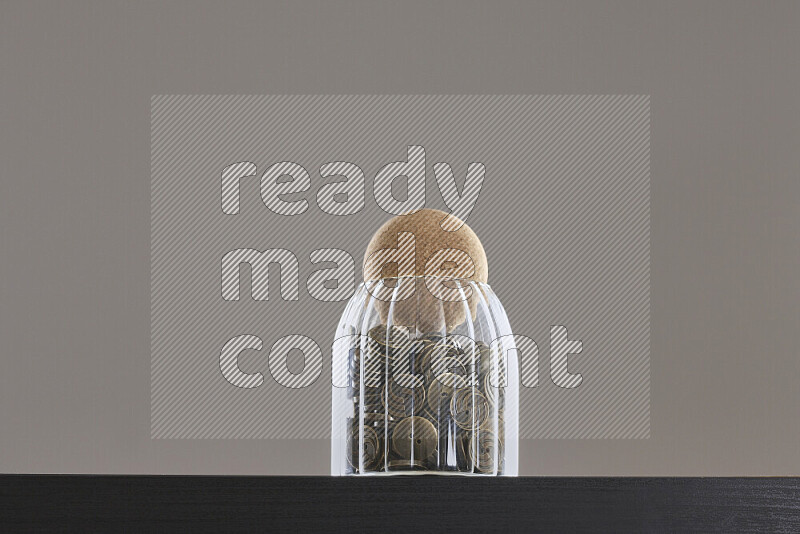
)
(374, 367)
(371, 399)
(440, 391)
(398, 338)
(469, 408)
(463, 457)
(444, 422)
(406, 465)
(483, 449)
(451, 342)
(375, 420)
(468, 350)
(414, 438)
(490, 391)
(447, 364)
(401, 401)
(485, 360)
(405, 362)
(371, 453)
(424, 357)
(393, 337)
(432, 337)
(353, 372)
(496, 425)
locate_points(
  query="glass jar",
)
(424, 385)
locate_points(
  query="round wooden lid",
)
(429, 237)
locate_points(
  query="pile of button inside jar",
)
(424, 403)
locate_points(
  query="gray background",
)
(563, 214)
(74, 205)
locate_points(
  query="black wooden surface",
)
(422, 504)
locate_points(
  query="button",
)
(469, 408)
(484, 448)
(432, 337)
(375, 420)
(447, 364)
(424, 357)
(393, 337)
(374, 367)
(406, 465)
(370, 454)
(463, 457)
(490, 391)
(401, 401)
(414, 438)
(440, 392)
(371, 400)
(442, 422)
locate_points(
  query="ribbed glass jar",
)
(424, 385)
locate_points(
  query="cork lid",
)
(420, 246)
